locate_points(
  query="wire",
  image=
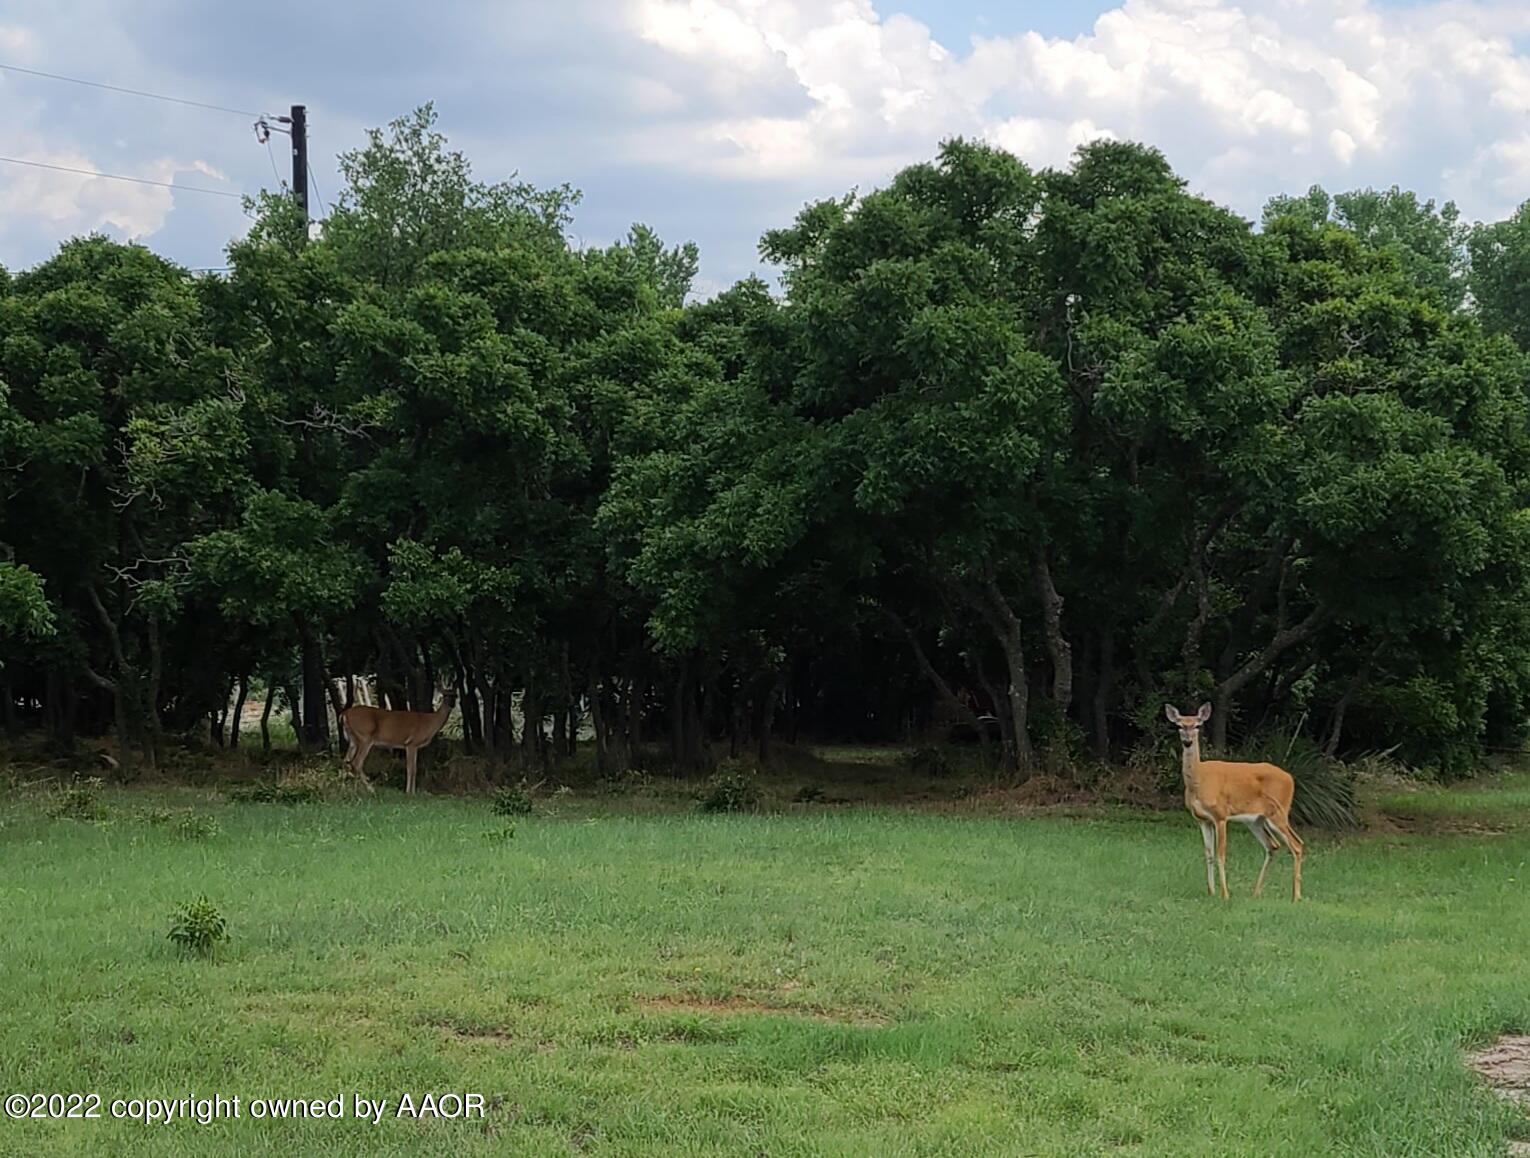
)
(314, 181)
(279, 182)
(130, 91)
(120, 177)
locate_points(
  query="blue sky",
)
(714, 120)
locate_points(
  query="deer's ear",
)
(1172, 713)
(1204, 714)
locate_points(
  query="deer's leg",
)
(410, 755)
(362, 750)
(1209, 835)
(1266, 836)
(1222, 856)
(1294, 842)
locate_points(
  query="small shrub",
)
(80, 801)
(512, 800)
(194, 826)
(265, 792)
(733, 788)
(198, 928)
(159, 817)
(500, 835)
(928, 761)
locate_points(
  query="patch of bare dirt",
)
(1444, 824)
(736, 1004)
(489, 1035)
(1505, 1066)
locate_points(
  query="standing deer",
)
(369, 728)
(1217, 791)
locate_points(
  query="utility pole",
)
(299, 123)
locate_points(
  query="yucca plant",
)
(1325, 789)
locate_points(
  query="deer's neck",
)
(1190, 765)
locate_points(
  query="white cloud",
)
(72, 203)
(1239, 95)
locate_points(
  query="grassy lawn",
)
(820, 981)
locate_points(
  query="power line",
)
(272, 155)
(120, 177)
(314, 181)
(130, 91)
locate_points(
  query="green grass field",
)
(815, 981)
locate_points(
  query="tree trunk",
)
(1058, 646)
(265, 713)
(472, 725)
(1005, 720)
(990, 602)
(1336, 723)
(768, 716)
(1103, 686)
(119, 719)
(559, 746)
(791, 702)
(598, 724)
(117, 688)
(634, 712)
(315, 726)
(678, 716)
(244, 692)
(531, 727)
(295, 710)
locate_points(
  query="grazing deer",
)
(368, 728)
(1217, 791)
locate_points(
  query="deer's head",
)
(1189, 726)
(448, 698)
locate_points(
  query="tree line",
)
(1048, 447)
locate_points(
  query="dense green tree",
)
(1431, 244)
(1500, 275)
(1053, 446)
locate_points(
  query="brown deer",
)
(367, 728)
(1217, 791)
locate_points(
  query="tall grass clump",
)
(1325, 789)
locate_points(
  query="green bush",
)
(512, 800)
(198, 928)
(80, 801)
(500, 835)
(732, 788)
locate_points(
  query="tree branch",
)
(1283, 639)
(929, 669)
